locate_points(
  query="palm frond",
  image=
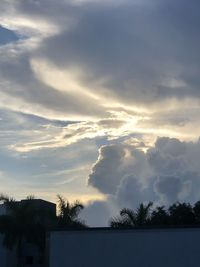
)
(129, 215)
(68, 213)
(75, 209)
(119, 222)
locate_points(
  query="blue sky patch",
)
(7, 36)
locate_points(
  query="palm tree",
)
(129, 218)
(143, 214)
(68, 213)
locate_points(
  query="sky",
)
(100, 101)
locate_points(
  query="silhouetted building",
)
(30, 253)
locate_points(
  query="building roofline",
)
(145, 228)
(37, 199)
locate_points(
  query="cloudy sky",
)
(100, 101)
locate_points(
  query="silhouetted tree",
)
(143, 214)
(196, 210)
(129, 218)
(159, 217)
(181, 214)
(68, 213)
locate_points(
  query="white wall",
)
(125, 248)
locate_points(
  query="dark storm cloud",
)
(145, 53)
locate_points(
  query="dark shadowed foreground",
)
(125, 248)
(148, 236)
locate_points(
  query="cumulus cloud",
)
(106, 173)
(132, 191)
(170, 188)
(166, 173)
(98, 212)
(115, 162)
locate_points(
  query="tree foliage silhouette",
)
(68, 213)
(129, 218)
(177, 214)
(159, 216)
(25, 222)
(181, 214)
